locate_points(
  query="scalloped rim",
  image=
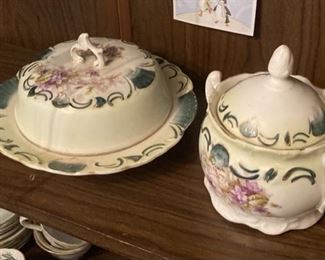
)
(169, 135)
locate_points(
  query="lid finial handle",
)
(84, 44)
(281, 63)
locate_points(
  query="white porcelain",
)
(61, 239)
(262, 147)
(55, 237)
(14, 145)
(14, 229)
(6, 216)
(74, 102)
(12, 234)
(56, 252)
(7, 228)
(11, 254)
(20, 241)
(58, 244)
(12, 222)
(16, 239)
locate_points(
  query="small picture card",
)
(237, 16)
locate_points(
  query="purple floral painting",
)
(246, 194)
(83, 87)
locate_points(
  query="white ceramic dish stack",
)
(11, 254)
(12, 234)
(57, 243)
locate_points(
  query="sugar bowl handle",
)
(84, 44)
(213, 80)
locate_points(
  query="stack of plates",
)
(12, 234)
(59, 244)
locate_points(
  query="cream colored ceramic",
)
(262, 147)
(56, 238)
(12, 234)
(92, 96)
(11, 254)
(14, 144)
(75, 253)
(6, 217)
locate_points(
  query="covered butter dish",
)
(262, 147)
(94, 105)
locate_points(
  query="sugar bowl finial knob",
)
(281, 63)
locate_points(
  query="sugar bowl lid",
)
(274, 109)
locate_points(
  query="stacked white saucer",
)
(57, 243)
(11, 254)
(12, 234)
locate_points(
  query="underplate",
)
(15, 146)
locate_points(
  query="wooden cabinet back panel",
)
(37, 24)
(299, 24)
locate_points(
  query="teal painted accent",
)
(10, 147)
(219, 156)
(188, 107)
(317, 126)
(152, 148)
(287, 139)
(206, 133)
(119, 163)
(66, 167)
(142, 78)
(7, 89)
(237, 174)
(100, 101)
(311, 175)
(44, 54)
(248, 170)
(61, 101)
(270, 175)
(31, 92)
(230, 119)
(113, 96)
(134, 158)
(248, 130)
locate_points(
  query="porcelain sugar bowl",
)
(261, 147)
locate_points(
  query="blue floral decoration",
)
(142, 78)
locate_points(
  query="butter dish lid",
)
(274, 109)
(88, 73)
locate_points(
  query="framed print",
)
(237, 16)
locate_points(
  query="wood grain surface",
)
(38, 24)
(298, 23)
(124, 17)
(158, 211)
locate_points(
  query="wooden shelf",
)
(33, 252)
(160, 210)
